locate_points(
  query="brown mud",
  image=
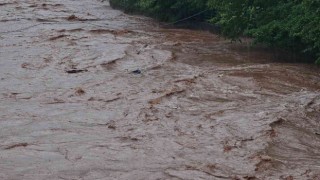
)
(88, 92)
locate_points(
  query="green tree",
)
(165, 10)
(292, 25)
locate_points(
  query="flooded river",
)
(87, 92)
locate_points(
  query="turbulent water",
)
(87, 92)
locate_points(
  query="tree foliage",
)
(165, 10)
(292, 25)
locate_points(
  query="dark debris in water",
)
(75, 71)
(57, 37)
(72, 18)
(138, 71)
(16, 146)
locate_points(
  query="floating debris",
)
(75, 71)
(138, 71)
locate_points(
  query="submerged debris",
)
(72, 18)
(57, 37)
(16, 146)
(80, 92)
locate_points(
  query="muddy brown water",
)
(197, 107)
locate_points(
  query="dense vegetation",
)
(165, 10)
(291, 25)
